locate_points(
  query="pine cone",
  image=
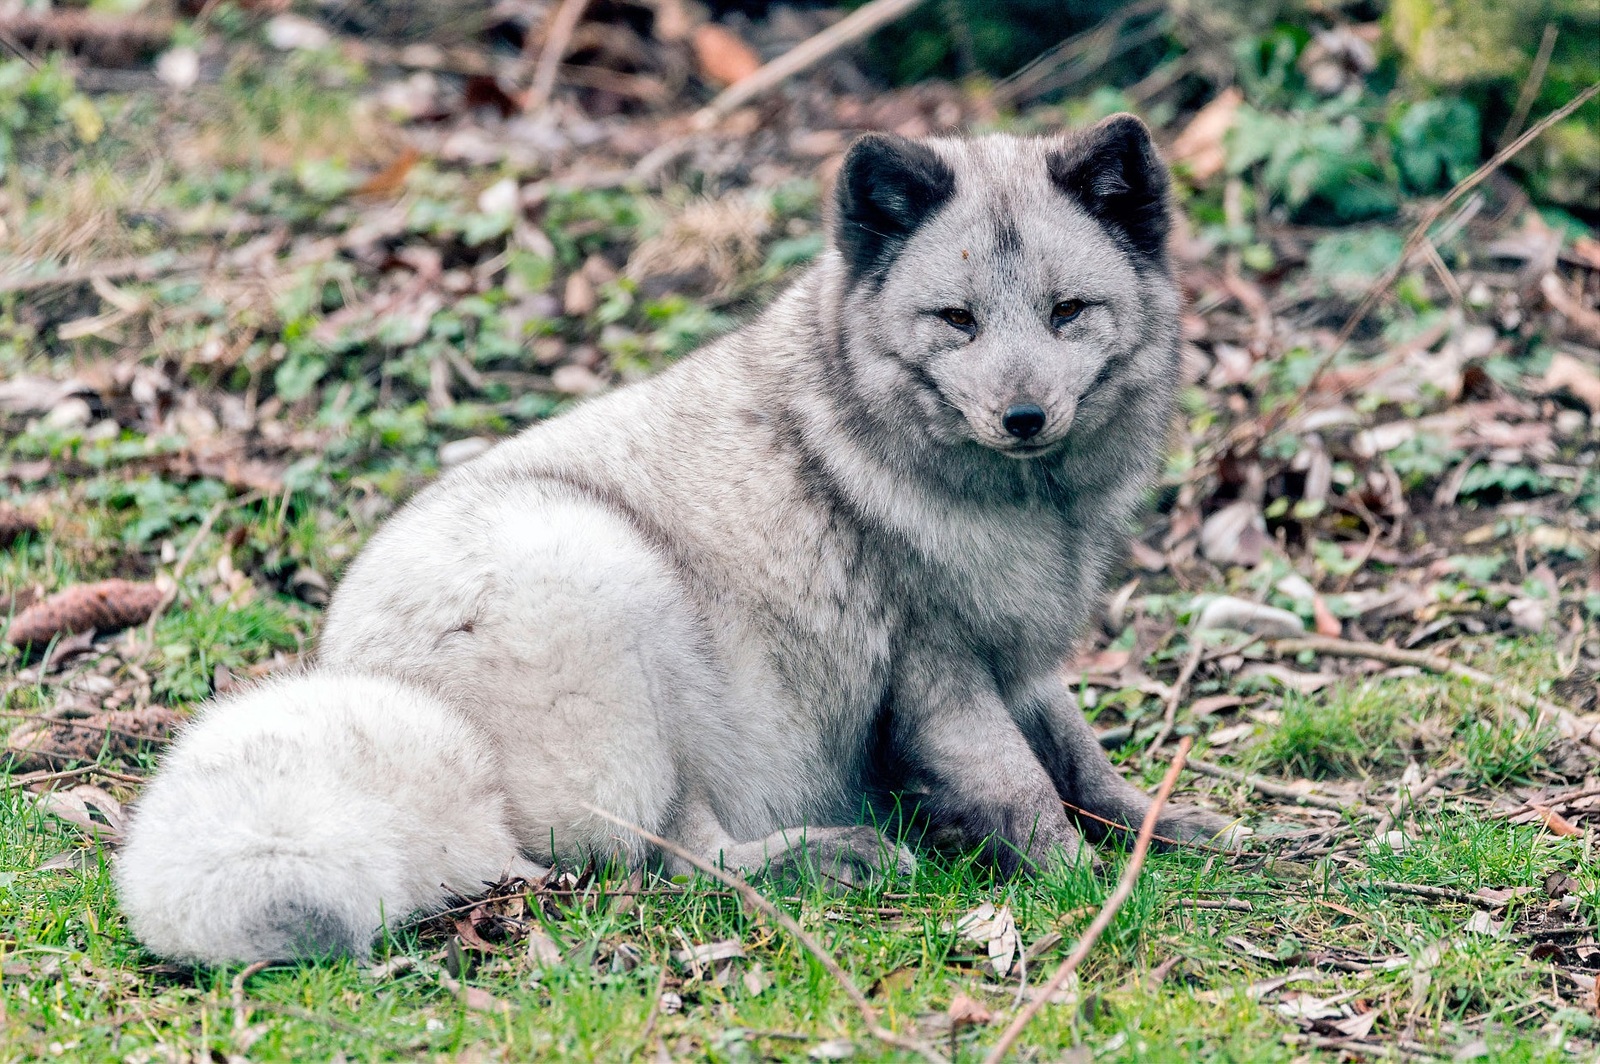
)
(104, 607)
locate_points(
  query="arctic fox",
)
(837, 555)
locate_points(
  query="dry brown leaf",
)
(995, 929)
(674, 19)
(473, 997)
(1232, 733)
(890, 982)
(480, 1000)
(1357, 1026)
(1587, 248)
(1580, 315)
(578, 300)
(101, 607)
(1327, 624)
(1204, 707)
(1107, 662)
(1147, 557)
(1235, 535)
(1556, 823)
(75, 805)
(722, 56)
(469, 935)
(965, 1012)
(1558, 885)
(1568, 374)
(709, 953)
(247, 474)
(1200, 143)
(388, 181)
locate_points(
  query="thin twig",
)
(1267, 787)
(1027, 78)
(1078, 810)
(146, 268)
(1232, 905)
(1567, 722)
(1108, 911)
(184, 559)
(1414, 241)
(23, 52)
(1531, 86)
(67, 774)
(1409, 797)
(1555, 801)
(655, 1011)
(1185, 674)
(556, 41)
(1420, 890)
(81, 725)
(241, 1009)
(757, 901)
(858, 24)
(73, 26)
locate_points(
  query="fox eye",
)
(960, 317)
(1066, 310)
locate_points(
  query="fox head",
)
(1007, 292)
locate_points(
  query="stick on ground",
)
(1566, 722)
(1179, 688)
(1282, 791)
(1408, 798)
(1108, 911)
(241, 1007)
(563, 24)
(1531, 85)
(757, 901)
(858, 24)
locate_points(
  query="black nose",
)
(1023, 421)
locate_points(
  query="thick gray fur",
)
(736, 602)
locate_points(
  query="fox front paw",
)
(843, 858)
(1187, 824)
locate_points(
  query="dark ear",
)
(1114, 171)
(887, 187)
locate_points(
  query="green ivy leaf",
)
(1436, 143)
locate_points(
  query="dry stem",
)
(1567, 722)
(563, 24)
(1170, 719)
(1108, 911)
(757, 901)
(858, 24)
(1262, 785)
(1409, 797)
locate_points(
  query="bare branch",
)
(755, 900)
(1108, 911)
(858, 24)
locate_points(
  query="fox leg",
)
(1085, 777)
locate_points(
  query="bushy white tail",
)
(294, 819)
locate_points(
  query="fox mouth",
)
(1023, 451)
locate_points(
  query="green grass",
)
(1355, 728)
(76, 986)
